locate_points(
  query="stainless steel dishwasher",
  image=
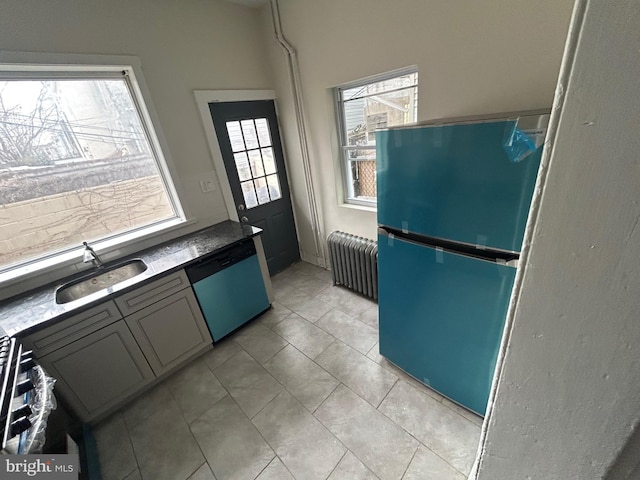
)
(229, 288)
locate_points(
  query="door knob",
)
(244, 219)
(241, 207)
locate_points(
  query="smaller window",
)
(363, 107)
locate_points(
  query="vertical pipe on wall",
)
(294, 74)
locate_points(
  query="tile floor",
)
(299, 393)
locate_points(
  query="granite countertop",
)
(37, 308)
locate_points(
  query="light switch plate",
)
(207, 185)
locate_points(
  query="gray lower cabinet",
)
(101, 359)
(99, 370)
(170, 330)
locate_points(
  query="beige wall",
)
(475, 57)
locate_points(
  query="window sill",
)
(364, 208)
(51, 269)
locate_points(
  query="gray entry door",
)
(249, 140)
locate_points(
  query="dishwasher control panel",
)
(219, 261)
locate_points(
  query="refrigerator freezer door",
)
(456, 182)
(442, 316)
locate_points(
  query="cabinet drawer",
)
(151, 293)
(63, 333)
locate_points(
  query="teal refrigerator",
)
(453, 202)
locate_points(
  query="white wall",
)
(569, 396)
(183, 45)
(484, 56)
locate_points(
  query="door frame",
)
(203, 99)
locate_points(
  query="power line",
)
(82, 135)
(80, 125)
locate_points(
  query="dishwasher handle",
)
(219, 261)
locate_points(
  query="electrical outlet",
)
(207, 185)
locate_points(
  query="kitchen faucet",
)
(91, 256)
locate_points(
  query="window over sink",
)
(80, 160)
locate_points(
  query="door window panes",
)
(250, 134)
(263, 132)
(249, 194)
(242, 165)
(254, 160)
(263, 191)
(274, 187)
(235, 136)
(269, 161)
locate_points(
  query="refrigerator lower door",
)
(442, 317)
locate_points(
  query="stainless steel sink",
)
(99, 280)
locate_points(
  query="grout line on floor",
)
(346, 452)
(386, 394)
(412, 457)
(135, 457)
(325, 399)
(335, 339)
(184, 419)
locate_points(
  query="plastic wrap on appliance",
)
(43, 403)
(481, 242)
(517, 144)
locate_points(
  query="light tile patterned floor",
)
(299, 393)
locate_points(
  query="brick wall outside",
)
(29, 228)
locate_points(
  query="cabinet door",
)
(170, 331)
(99, 370)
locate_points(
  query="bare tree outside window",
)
(75, 165)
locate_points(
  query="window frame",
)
(31, 66)
(342, 134)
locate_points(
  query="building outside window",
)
(79, 161)
(383, 101)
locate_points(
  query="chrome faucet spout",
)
(90, 255)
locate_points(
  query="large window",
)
(79, 161)
(384, 101)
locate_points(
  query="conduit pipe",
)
(294, 74)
